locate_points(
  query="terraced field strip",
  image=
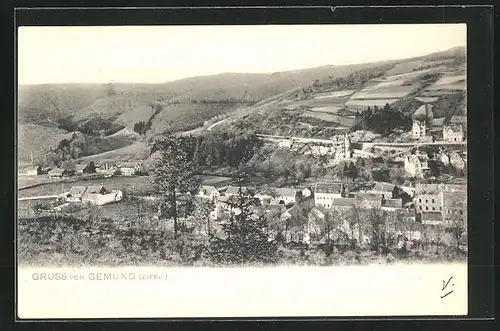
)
(427, 99)
(369, 103)
(327, 109)
(334, 94)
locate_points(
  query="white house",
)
(286, 196)
(209, 192)
(416, 165)
(324, 193)
(75, 194)
(98, 195)
(453, 133)
(419, 129)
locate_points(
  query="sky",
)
(156, 54)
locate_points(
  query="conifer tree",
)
(175, 175)
(246, 238)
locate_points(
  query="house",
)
(408, 190)
(75, 194)
(286, 196)
(453, 133)
(56, 173)
(431, 218)
(324, 193)
(289, 213)
(98, 195)
(392, 204)
(69, 170)
(234, 190)
(458, 161)
(458, 120)
(416, 165)
(129, 168)
(107, 168)
(343, 203)
(420, 118)
(419, 129)
(444, 158)
(127, 171)
(306, 193)
(209, 192)
(89, 168)
(32, 171)
(428, 198)
(286, 143)
(454, 207)
(368, 200)
(387, 190)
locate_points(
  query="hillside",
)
(339, 105)
(326, 100)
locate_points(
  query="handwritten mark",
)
(445, 285)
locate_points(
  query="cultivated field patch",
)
(450, 79)
(356, 104)
(427, 99)
(384, 93)
(136, 151)
(341, 120)
(328, 109)
(334, 94)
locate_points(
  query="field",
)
(128, 109)
(139, 185)
(38, 139)
(450, 79)
(178, 117)
(427, 99)
(384, 93)
(436, 93)
(328, 109)
(136, 151)
(361, 104)
(334, 94)
(341, 120)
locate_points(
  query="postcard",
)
(251, 171)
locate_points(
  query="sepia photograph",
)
(241, 171)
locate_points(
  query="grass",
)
(38, 139)
(72, 242)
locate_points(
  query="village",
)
(437, 204)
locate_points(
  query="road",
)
(39, 197)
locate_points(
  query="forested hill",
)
(102, 110)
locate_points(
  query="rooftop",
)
(207, 189)
(77, 190)
(383, 186)
(95, 189)
(427, 188)
(457, 119)
(454, 199)
(286, 192)
(235, 190)
(431, 216)
(343, 202)
(424, 110)
(453, 128)
(393, 203)
(368, 196)
(333, 188)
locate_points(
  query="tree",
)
(174, 175)
(111, 90)
(201, 217)
(246, 238)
